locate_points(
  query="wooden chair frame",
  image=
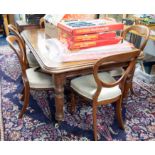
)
(42, 22)
(22, 59)
(14, 30)
(129, 57)
(140, 30)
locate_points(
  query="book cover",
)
(89, 26)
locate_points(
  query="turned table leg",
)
(59, 96)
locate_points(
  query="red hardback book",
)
(88, 37)
(89, 26)
(87, 44)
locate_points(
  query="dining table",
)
(44, 51)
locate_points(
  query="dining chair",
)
(101, 88)
(138, 30)
(133, 35)
(32, 62)
(32, 79)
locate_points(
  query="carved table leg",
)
(59, 96)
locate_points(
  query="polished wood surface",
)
(60, 71)
(22, 25)
(5, 21)
(36, 40)
(42, 22)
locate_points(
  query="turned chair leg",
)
(26, 102)
(95, 121)
(73, 102)
(23, 95)
(119, 113)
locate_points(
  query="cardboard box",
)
(51, 21)
(51, 30)
(89, 26)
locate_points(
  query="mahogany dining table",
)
(36, 39)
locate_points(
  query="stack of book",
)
(91, 33)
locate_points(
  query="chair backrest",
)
(15, 31)
(140, 30)
(16, 44)
(42, 22)
(129, 58)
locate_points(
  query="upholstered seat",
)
(31, 60)
(86, 86)
(117, 72)
(38, 79)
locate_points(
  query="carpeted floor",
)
(39, 122)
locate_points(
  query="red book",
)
(89, 26)
(88, 37)
(95, 43)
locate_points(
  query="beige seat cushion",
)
(117, 72)
(32, 60)
(39, 80)
(86, 86)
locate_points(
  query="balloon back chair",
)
(32, 79)
(135, 38)
(101, 88)
(32, 62)
(133, 34)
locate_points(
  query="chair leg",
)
(73, 102)
(26, 101)
(23, 94)
(132, 90)
(95, 121)
(119, 113)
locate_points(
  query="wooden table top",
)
(36, 40)
(24, 23)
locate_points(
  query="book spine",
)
(88, 44)
(98, 29)
(90, 37)
(63, 36)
